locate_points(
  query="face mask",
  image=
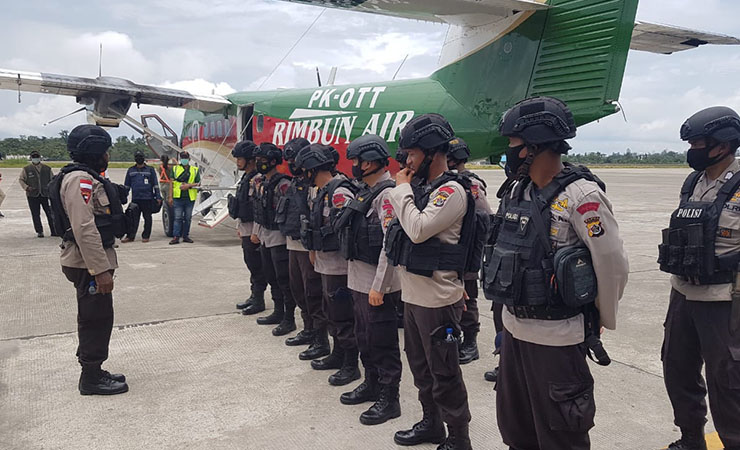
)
(263, 167)
(513, 161)
(357, 172)
(311, 177)
(184, 162)
(698, 158)
(36, 160)
(139, 160)
(295, 170)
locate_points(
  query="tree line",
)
(628, 158)
(55, 148)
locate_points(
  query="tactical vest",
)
(264, 202)
(519, 270)
(240, 206)
(38, 180)
(110, 226)
(430, 255)
(688, 249)
(360, 234)
(315, 235)
(291, 207)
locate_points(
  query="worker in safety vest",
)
(184, 179)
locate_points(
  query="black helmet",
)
(458, 150)
(88, 140)
(331, 153)
(293, 146)
(244, 149)
(313, 157)
(401, 155)
(539, 120)
(269, 151)
(368, 148)
(719, 122)
(427, 132)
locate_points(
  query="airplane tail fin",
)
(576, 50)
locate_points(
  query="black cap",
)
(35, 154)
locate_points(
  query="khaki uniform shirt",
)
(727, 240)
(295, 245)
(245, 229)
(581, 215)
(441, 218)
(269, 238)
(82, 198)
(380, 277)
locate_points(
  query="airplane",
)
(496, 53)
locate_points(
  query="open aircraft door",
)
(244, 119)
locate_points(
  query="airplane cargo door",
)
(245, 121)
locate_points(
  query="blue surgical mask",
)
(36, 160)
(185, 162)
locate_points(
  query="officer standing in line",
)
(305, 283)
(457, 156)
(319, 236)
(267, 189)
(375, 288)
(428, 239)
(703, 321)
(34, 179)
(557, 225)
(89, 212)
(242, 209)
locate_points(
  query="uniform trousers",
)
(698, 333)
(376, 330)
(470, 320)
(305, 284)
(337, 302)
(275, 267)
(35, 204)
(434, 361)
(253, 260)
(544, 396)
(94, 319)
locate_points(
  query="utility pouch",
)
(307, 234)
(329, 239)
(233, 206)
(281, 210)
(575, 276)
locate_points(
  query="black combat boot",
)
(349, 371)
(367, 391)
(275, 318)
(429, 429)
(691, 439)
(458, 438)
(331, 362)
(304, 337)
(257, 306)
(386, 408)
(491, 375)
(94, 382)
(245, 303)
(287, 325)
(114, 376)
(469, 348)
(319, 348)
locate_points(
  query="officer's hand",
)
(601, 331)
(105, 282)
(375, 298)
(254, 239)
(312, 257)
(404, 176)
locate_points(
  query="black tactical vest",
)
(430, 255)
(315, 235)
(519, 268)
(687, 249)
(291, 207)
(264, 202)
(360, 234)
(110, 226)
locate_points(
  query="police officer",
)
(242, 209)
(702, 249)
(334, 192)
(305, 283)
(556, 219)
(428, 241)
(457, 156)
(267, 189)
(375, 288)
(87, 208)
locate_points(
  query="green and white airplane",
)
(496, 53)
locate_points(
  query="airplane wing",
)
(667, 39)
(117, 90)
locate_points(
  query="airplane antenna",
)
(100, 61)
(318, 76)
(291, 48)
(399, 67)
(66, 115)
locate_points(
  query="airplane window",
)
(205, 131)
(212, 131)
(260, 123)
(220, 129)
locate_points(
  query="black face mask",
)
(698, 158)
(139, 160)
(513, 161)
(295, 170)
(311, 177)
(264, 168)
(357, 172)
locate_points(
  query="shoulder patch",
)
(86, 186)
(559, 205)
(338, 200)
(588, 207)
(443, 194)
(595, 229)
(475, 190)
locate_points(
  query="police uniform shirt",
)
(269, 238)
(83, 197)
(727, 240)
(442, 218)
(294, 245)
(333, 263)
(380, 277)
(581, 214)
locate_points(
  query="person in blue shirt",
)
(144, 184)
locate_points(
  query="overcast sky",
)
(231, 45)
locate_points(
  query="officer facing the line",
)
(557, 247)
(88, 211)
(375, 288)
(702, 250)
(242, 209)
(428, 240)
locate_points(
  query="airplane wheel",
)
(168, 216)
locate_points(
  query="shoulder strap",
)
(728, 189)
(470, 174)
(689, 184)
(378, 189)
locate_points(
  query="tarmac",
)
(202, 376)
